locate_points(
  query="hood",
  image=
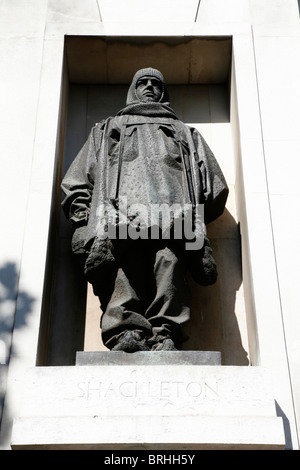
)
(147, 72)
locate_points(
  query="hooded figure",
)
(141, 178)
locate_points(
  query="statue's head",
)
(148, 85)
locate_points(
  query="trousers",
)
(150, 292)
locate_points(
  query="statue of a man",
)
(139, 195)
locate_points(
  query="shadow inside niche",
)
(215, 309)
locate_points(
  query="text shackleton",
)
(135, 389)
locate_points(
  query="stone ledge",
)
(148, 433)
(201, 358)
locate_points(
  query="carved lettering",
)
(131, 389)
(194, 389)
(128, 389)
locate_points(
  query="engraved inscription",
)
(131, 389)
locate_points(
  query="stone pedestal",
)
(141, 358)
(168, 400)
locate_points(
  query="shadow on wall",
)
(10, 299)
(216, 309)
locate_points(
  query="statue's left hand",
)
(202, 265)
(78, 240)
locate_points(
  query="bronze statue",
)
(139, 195)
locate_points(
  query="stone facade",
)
(46, 60)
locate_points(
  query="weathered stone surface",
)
(148, 406)
(86, 358)
(160, 433)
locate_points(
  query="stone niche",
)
(97, 73)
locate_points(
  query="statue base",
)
(148, 401)
(107, 358)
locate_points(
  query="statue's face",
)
(149, 89)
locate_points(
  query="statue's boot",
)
(161, 343)
(131, 341)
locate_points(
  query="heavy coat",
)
(148, 156)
